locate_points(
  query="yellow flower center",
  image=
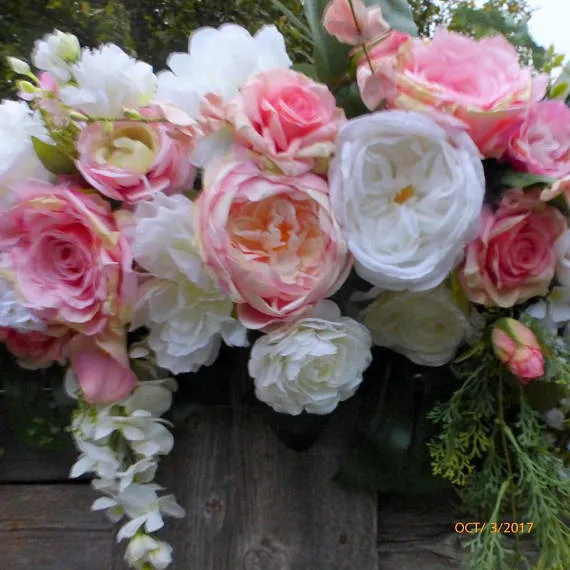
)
(404, 195)
(129, 148)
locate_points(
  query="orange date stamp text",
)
(504, 527)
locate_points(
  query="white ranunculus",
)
(312, 364)
(427, 326)
(18, 159)
(181, 304)
(108, 81)
(219, 61)
(408, 195)
(56, 53)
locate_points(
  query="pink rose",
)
(353, 25)
(37, 349)
(134, 161)
(67, 256)
(271, 241)
(288, 119)
(514, 258)
(480, 82)
(542, 145)
(516, 346)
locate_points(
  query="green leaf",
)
(398, 14)
(349, 99)
(515, 179)
(307, 69)
(562, 85)
(301, 26)
(391, 453)
(53, 158)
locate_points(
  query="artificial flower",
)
(408, 195)
(312, 364)
(56, 53)
(480, 82)
(271, 241)
(288, 120)
(515, 256)
(427, 327)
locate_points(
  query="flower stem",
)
(359, 30)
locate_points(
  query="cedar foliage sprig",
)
(495, 448)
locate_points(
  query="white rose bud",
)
(312, 364)
(55, 53)
(408, 195)
(18, 66)
(427, 327)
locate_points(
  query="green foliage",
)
(52, 158)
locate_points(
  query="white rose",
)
(18, 159)
(219, 61)
(427, 327)
(183, 307)
(108, 81)
(55, 53)
(311, 365)
(408, 195)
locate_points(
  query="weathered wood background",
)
(253, 504)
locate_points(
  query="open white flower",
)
(18, 159)
(408, 195)
(312, 364)
(55, 53)
(144, 550)
(218, 62)
(427, 326)
(183, 307)
(108, 81)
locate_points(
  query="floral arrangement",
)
(396, 211)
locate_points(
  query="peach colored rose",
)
(480, 82)
(542, 145)
(134, 161)
(514, 258)
(271, 241)
(37, 349)
(67, 256)
(516, 346)
(353, 25)
(288, 119)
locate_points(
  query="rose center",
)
(129, 148)
(404, 194)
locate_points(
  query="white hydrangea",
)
(182, 306)
(219, 61)
(427, 327)
(312, 364)
(56, 53)
(15, 315)
(18, 159)
(108, 81)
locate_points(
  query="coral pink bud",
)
(516, 346)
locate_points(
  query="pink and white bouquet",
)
(147, 220)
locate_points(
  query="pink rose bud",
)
(352, 22)
(516, 346)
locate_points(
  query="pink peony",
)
(67, 256)
(134, 161)
(271, 241)
(542, 145)
(480, 82)
(514, 258)
(288, 119)
(516, 346)
(36, 349)
(356, 24)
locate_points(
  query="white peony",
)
(408, 195)
(18, 159)
(108, 81)
(219, 62)
(311, 365)
(56, 53)
(427, 327)
(184, 309)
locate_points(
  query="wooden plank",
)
(254, 504)
(25, 463)
(50, 527)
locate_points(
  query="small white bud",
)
(18, 66)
